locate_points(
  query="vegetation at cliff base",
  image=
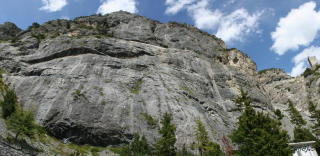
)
(205, 147)
(137, 147)
(258, 134)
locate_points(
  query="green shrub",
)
(265, 70)
(111, 34)
(8, 104)
(39, 36)
(279, 114)
(35, 25)
(307, 72)
(150, 120)
(14, 40)
(22, 123)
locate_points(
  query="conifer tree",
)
(8, 104)
(302, 134)
(205, 146)
(258, 134)
(296, 118)
(165, 146)
(315, 114)
(201, 136)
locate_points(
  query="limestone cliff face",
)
(93, 80)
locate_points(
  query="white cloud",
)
(301, 60)
(238, 24)
(109, 6)
(53, 5)
(298, 28)
(177, 5)
(230, 27)
(203, 17)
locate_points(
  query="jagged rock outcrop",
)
(92, 80)
(8, 31)
(280, 88)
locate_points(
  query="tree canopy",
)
(257, 133)
(165, 145)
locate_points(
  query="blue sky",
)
(275, 34)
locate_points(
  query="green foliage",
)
(111, 34)
(302, 134)
(201, 136)
(39, 36)
(124, 151)
(136, 88)
(150, 120)
(279, 114)
(14, 40)
(315, 114)
(103, 102)
(205, 146)
(165, 146)
(258, 134)
(22, 123)
(8, 104)
(296, 118)
(242, 100)
(137, 147)
(35, 25)
(265, 70)
(85, 27)
(309, 71)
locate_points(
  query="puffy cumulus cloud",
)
(53, 5)
(230, 27)
(203, 17)
(301, 60)
(238, 24)
(298, 28)
(109, 6)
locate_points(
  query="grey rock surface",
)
(92, 79)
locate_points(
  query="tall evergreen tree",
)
(258, 134)
(304, 134)
(201, 136)
(165, 146)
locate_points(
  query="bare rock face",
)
(94, 82)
